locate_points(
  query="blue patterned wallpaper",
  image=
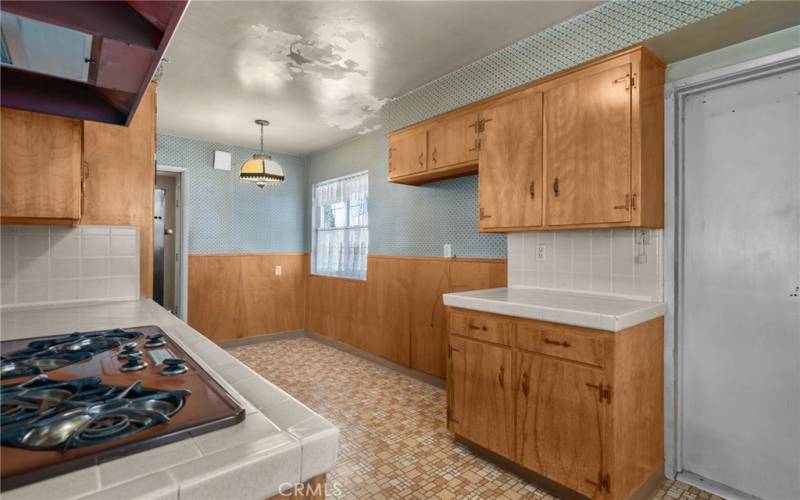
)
(229, 217)
(419, 220)
(226, 216)
(408, 220)
(605, 29)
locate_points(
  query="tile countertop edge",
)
(483, 300)
(280, 441)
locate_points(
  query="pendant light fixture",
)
(261, 169)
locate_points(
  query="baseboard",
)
(556, 489)
(650, 486)
(258, 339)
(410, 372)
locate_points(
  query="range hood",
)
(90, 60)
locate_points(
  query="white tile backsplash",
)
(45, 264)
(589, 260)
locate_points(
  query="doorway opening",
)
(169, 240)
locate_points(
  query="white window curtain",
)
(340, 239)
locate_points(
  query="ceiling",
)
(320, 71)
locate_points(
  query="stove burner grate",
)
(44, 355)
(44, 414)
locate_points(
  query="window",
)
(340, 222)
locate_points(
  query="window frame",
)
(316, 217)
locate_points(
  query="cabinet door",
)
(560, 421)
(41, 166)
(511, 164)
(453, 141)
(480, 394)
(408, 154)
(588, 149)
(120, 168)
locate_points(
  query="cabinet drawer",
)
(561, 342)
(481, 327)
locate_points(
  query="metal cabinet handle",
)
(421, 159)
(555, 186)
(501, 377)
(476, 327)
(555, 342)
(526, 383)
(433, 156)
(532, 189)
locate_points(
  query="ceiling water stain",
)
(331, 59)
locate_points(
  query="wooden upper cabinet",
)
(561, 420)
(408, 154)
(453, 141)
(41, 168)
(119, 168)
(481, 382)
(588, 123)
(510, 176)
(594, 157)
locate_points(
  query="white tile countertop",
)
(280, 441)
(601, 312)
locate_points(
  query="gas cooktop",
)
(76, 400)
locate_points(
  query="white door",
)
(739, 310)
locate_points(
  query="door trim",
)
(675, 94)
(183, 231)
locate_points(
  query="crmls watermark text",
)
(311, 489)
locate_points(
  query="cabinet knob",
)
(556, 342)
(626, 206)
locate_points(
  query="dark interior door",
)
(158, 244)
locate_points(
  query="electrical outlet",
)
(278, 270)
(448, 250)
(541, 252)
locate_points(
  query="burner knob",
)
(174, 366)
(155, 340)
(133, 363)
(129, 350)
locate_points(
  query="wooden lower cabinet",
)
(560, 420)
(481, 381)
(581, 407)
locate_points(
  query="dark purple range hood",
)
(90, 60)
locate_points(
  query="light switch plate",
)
(278, 270)
(448, 250)
(541, 252)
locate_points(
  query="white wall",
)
(734, 54)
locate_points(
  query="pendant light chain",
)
(262, 137)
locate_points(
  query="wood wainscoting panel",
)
(397, 312)
(337, 308)
(234, 296)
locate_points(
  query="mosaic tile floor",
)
(394, 443)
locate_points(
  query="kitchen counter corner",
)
(281, 442)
